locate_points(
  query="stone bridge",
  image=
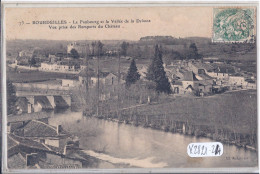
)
(36, 102)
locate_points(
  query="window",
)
(112, 80)
(42, 141)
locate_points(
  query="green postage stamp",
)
(233, 25)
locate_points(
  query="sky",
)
(170, 21)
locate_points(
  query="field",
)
(23, 76)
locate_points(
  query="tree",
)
(32, 61)
(193, 52)
(132, 75)
(93, 45)
(74, 53)
(157, 74)
(100, 47)
(124, 47)
(11, 98)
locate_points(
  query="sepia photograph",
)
(130, 87)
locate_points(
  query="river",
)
(129, 146)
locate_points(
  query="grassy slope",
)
(236, 111)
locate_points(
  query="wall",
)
(185, 84)
(51, 100)
(237, 80)
(67, 99)
(218, 75)
(52, 142)
(69, 83)
(40, 86)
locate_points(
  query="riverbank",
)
(229, 118)
(119, 145)
(181, 128)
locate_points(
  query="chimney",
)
(59, 128)
(31, 159)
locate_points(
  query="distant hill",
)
(144, 47)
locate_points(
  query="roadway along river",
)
(121, 145)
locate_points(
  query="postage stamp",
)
(233, 25)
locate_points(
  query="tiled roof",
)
(21, 141)
(11, 142)
(36, 128)
(16, 161)
(205, 77)
(189, 76)
(203, 66)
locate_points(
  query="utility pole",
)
(98, 82)
(87, 75)
(100, 46)
(118, 86)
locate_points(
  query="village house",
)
(221, 72)
(237, 81)
(43, 133)
(184, 81)
(80, 48)
(84, 76)
(58, 67)
(27, 153)
(26, 53)
(53, 58)
(199, 68)
(105, 78)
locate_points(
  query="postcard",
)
(129, 87)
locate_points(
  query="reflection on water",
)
(141, 147)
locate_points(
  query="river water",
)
(119, 144)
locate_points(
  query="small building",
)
(26, 53)
(58, 67)
(53, 58)
(24, 153)
(43, 133)
(106, 79)
(237, 81)
(80, 48)
(222, 72)
(177, 87)
(200, 68)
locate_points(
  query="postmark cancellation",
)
(234, 25)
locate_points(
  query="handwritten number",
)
(213, 148)
(217, 150)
